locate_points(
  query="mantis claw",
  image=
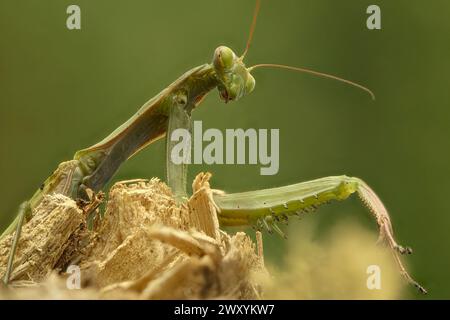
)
(403, 250)
(421, 289)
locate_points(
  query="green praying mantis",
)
(93, 167)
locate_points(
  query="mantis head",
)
(235, 80)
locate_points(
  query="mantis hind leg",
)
(24, 210)
(264, 208)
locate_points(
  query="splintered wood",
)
(144, 247)
(43, 240)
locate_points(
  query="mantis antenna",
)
(252, 28)
(297, 69)
(316, 73)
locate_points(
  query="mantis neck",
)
(101, 161)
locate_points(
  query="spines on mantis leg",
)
(264, 208)
(277, 204)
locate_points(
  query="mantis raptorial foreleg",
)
(264, 208)
(179, 118)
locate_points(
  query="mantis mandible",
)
(93, 167)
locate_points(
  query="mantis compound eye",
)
(223, 58)
(249, 84)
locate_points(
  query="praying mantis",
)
(91, 168)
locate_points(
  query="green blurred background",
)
(64, 90)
